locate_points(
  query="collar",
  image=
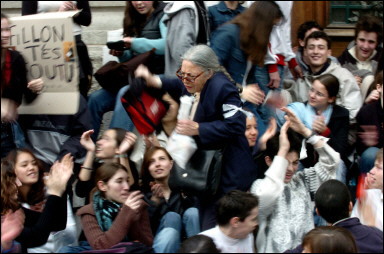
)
(340, 221)
(326, 65)
(352, 51)
(222, 7)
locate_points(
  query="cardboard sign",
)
(48, 46)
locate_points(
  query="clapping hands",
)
(58, 176)
(128, 142)
(87, 142)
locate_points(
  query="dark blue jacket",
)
(220, 14)
(226, 44)
(215, 131)
(368, 239)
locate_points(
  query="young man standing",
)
(286, 196)
(362, 55)
(237, 218)
(317, 49)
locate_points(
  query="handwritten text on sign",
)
(49, 48)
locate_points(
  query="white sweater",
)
(227, 244)
(286, 210)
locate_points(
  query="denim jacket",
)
(220, 13)
(226, 44)
(18, 135)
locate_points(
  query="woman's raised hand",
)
(87, 142)
(134, 200)
(58, 176)
(12, 224)
(128, 142)
(296, 123)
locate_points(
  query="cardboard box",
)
(48, 46)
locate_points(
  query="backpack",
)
(144, 105)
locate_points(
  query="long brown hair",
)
(37, 192)
(8, 188)
(254, 34)
(146, 176)
(133, 21)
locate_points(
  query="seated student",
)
(318, 48)
(320, 114)
(329, 239)
(237, 218)
(171, 212)
(114, 214)
(370, 128)
(303, 32)
(369, 207)
(198, 244)
(36, 227)
(32, 195)
(257, 146)
(111, 147)
(362, 55)
(336, 210)
(286, 207)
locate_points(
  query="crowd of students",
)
(290, 123)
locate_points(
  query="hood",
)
(173, 7)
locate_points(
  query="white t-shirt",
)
(227, 244)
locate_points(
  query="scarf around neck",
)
(105, 210)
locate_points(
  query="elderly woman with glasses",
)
(215, 120)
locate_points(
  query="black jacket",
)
(338, 138)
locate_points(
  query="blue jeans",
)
(100, 102)
(367, 159)
(120, 117)
(191, 222)
(168, 235)
(83, 245)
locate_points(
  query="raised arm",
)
(270, 188)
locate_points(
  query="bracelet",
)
(121, 156)
(86, 168)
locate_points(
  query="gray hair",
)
(206, 58)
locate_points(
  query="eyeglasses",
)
(318, 94)
(181, 75)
